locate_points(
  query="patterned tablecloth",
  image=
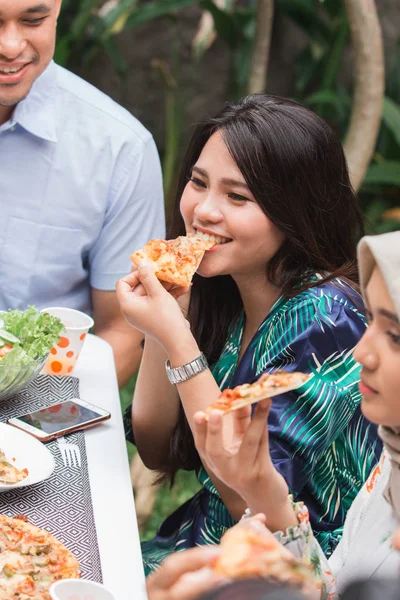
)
(61, 504)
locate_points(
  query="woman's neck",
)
(258, 297)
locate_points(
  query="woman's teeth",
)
(209, 237)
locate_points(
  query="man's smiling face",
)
(27, 42)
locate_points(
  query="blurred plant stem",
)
(369, 83)
(172, 130)
(262, 42)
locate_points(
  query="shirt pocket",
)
(38, 261)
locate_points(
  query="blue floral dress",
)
(319, 440)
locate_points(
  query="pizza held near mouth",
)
(31, 560)
(174, 261)
(267, 386)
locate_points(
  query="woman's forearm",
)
(155, 406)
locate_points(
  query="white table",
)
(112, 497)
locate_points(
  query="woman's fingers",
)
(192, 586)
(256, 434)
(200, 432)
(179, 291)
(180, 563)
(149, 281)
(241, 420)
(209, 436)
(215, 440)
(127, 283)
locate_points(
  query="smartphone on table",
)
(51, 422)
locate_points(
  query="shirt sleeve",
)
(134, 214)
(300, 541)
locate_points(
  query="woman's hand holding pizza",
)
(151, 306)
(185, 575)
(244, 463)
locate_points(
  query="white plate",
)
(29, 454)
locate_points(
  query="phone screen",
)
(59, 416)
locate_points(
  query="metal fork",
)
(70, 453)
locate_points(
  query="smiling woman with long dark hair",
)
(267, 180)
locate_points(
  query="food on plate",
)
(268, 385)
(246, 553)
(9, 474)
(174, 261)
(26, 336)
(31, 559)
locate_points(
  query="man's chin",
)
(10, 102)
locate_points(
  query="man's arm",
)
(110, 325)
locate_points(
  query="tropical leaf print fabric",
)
(319, 439)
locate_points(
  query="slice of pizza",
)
(9, 474)
(247, 553)
(31, 559)
(174, 261)
(267, 386)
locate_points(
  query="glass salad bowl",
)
(14, 378)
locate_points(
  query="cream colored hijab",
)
(384, 251)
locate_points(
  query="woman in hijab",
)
(366, 549)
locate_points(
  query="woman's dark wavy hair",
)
(295, 167)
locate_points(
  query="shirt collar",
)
(37, 112)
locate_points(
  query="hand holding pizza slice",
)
(250, 550)
(174, 261)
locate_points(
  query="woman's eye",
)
(238, 197)
(197, 182)
(394, 337)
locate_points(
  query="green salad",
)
(26, 336)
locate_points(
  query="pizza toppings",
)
(174, 261)
(9, 474)
(247, 553)
(31, 559)
(267, 386)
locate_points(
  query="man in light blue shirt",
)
(80, 183)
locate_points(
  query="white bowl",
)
(79, 589)
(29, 454)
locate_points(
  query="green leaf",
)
(63, 50)
(115, 55)
(225, 24)
(304, 14)
(386, 173)
(153, 10)
(333, 64)
(391, 117)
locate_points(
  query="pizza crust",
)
(31, 560)
(174, 261)
(267, 386)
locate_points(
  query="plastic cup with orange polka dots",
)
(65, 353)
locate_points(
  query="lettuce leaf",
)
(37, 332)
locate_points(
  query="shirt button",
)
(13, 128)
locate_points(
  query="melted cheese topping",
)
(31, 559)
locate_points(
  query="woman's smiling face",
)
(217, 202)
(379, 354)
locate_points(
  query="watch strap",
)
(186, 371)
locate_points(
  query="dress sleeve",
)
(319, 440)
